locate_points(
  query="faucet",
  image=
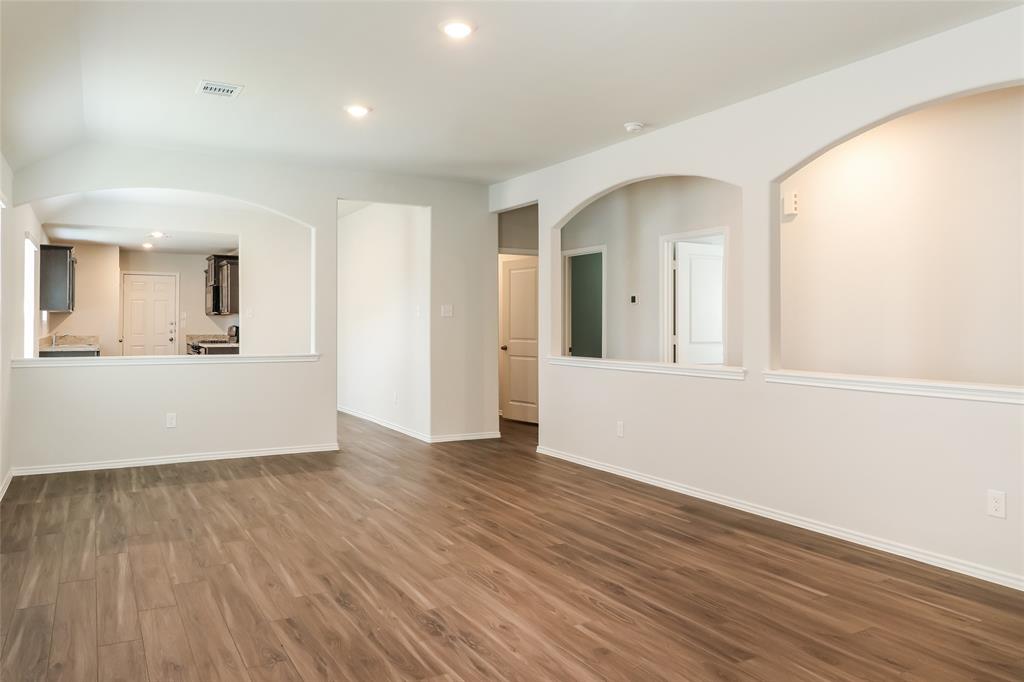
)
(53, 341)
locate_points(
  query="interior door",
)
(518, 373)
(700, 284)
(149, 311)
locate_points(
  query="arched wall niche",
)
(906, 241)
(634, 223)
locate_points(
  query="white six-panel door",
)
(519, 339)
(149, 312)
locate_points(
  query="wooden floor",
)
(465, 561)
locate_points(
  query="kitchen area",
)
(149, 299)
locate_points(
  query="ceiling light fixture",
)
(634, 126)
(457, 30)
(357, 110)
(147, 245)
(157, 235)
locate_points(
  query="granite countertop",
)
(218, 344)
(70, 348)
(69, 343)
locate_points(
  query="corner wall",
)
(905, 473)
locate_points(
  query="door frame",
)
(179, 339)
(567, 255)
(666, 303)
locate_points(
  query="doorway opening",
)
(694, 297)
(585, 286)
(518, 393)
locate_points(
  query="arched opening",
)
(650, 273)
(158, 272)
(899, 250)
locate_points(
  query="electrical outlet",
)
(447, 310)
(618, 429)
(997, 504)
(172, 420)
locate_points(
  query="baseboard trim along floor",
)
(172, 459)
(418, 435)
(992, 575)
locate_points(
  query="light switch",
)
(446, 310)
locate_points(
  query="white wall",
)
(517, 230)
(630, 222)
(283, 404)
(908, 473)
(97, 298)
(17, 222)
(190, 269)
(905, 259)
(383, 315)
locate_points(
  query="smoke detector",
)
(634, 126)
(218, 89)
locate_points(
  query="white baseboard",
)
(171, 459)
(449, 437)
(426, 438)
(386, 424)
(993, 575)
(6, 482)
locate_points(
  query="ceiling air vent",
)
(218, 89)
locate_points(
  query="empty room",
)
(611, 341)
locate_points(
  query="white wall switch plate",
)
(618, 429)
(447, 310)
(172, 420)
(996, 505)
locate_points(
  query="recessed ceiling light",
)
(157, 235)
(357, 110)
(147, 245)
(457, 30)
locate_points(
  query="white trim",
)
(990, 393)
(133, 360)
(386, 424)
(666, 248)
(6, 483)
(567, 295)
(704, 371)
(172, 459)
(426, 438)
(179, 344)
(993, 575)
(511, 251)
(451, 437)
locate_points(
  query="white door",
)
(518, 331)
(699, 298)
(149, 308)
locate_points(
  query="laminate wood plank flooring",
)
(480, 560)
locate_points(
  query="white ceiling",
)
(132, 239)
(539, 82)
(126, 217)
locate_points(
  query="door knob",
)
(504, 347)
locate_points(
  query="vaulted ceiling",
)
(536, 84)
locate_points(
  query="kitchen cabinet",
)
(57, 278)
(221, 285)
